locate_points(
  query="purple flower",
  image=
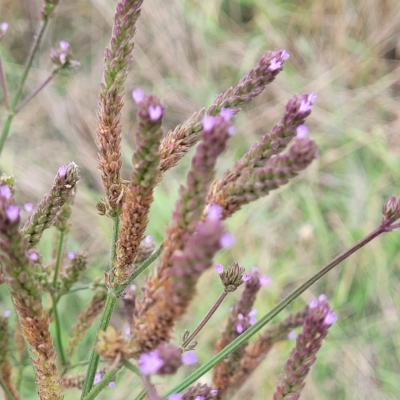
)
(231, 130)
(208, 122)
(64, 45)
(322, 297)
(246, 277)
(155, 112)
(111, 384)
(292, 335)
(71, 255)
(313, 303)
(252, 316)
(138, 95)
(214, 392)
(33, 256)
(301, 132)
(7, 313)
(12, 213)
(199, 398)
(5, 191)
(3, 28)
(189, 358)
(330, 318)
(275, 64)
(285, 55)
(150, 363)
(214, 212)
(226, 113)
(227, 240)
(264, 280)
(219, 268)
(175, 396)
(28, 207)
(97, 378)
(62, 171)
(312, 97)
(149, 240)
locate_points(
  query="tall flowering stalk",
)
(179, 140)
(117, 59)
(27, 298)
(188, 247)
(139, 193)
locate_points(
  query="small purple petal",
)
(28, 207)
(127, 330)
(138, 95)
(189, 358)
(330, 318)
(275, 64)
(240, 317)
(150, 363)
(226, 114)
(322, 297)
(312, 97)
(239, 328)
(33, 256)
(252, 313)
(5, 191)
(71, 255)
(227, 240)
(219, 268)
(63, 58)
(305, 106)
(12, 213)
(313, 303)
(7, 313)
(111, 384)
(208, 122)
(199, 398)
(175, 396)
(231, 130)
(64, 45)
(214, 212)
(254, 270)
(264, 280)
(4, 27)
(285, 55)
(62, 171)
(214, 392)
(97, 378)
(246, 277)
(292, 335)
(252, 320)
(155, 112)
(301, 132)
(149, 239)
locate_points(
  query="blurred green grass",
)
(186, 53)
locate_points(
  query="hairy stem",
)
(58, 337)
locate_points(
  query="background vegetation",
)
(347, 51)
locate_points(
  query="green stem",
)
(131, 367)
(205, 319)
(231, 347)
(9, 395)
(105, 317)
(141, 395)
(58, 338)
(58, 259)
(107, 378)
(28, 65)
(119, 289)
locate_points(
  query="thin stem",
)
(35, 92)
(127, 364)
(3, 84)
(28, 65)
(205, 319)
(72, 366)
(234, 345)
(58, 337)
(107, 378)
(119, 289)
(58, 259)
(105, 317)
(141, 395)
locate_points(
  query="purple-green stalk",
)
(117, 59)
(27, 298)
(319, 319)
(139, 193)
(178, 141)
(44, 216)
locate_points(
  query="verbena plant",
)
(194, 235)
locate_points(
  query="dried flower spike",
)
(44, 216)
(116, 63)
